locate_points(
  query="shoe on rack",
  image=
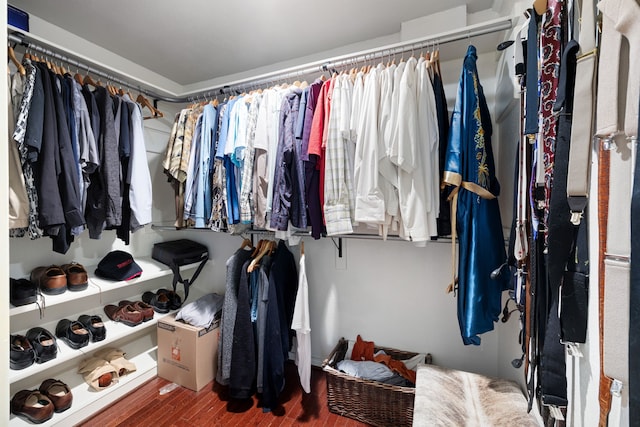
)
(159, 302)
(22, 355)
(23, 292)
(77, 278)
(73, 333)
(44, 344)
(51, 280)
(116, 358)
(174, 299)
(125, 314)
(58, 393)
(95, 326)
(98, 373)
(32, 405)
(142, 307)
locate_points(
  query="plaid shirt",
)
(246, 187)
(338, 181)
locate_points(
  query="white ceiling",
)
(196, 40)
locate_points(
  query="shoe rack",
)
(139, 342)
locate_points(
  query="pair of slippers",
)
(105, 368)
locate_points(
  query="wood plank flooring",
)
(212, 407)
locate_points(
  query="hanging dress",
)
(470, 168)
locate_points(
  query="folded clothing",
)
(366, 369)
(202, 312)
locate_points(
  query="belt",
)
(604, 396)
(453, 198)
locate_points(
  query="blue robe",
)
(469, 166)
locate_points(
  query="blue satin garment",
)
(470, 166)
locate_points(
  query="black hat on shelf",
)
(118, 265)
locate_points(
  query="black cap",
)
(118, 265)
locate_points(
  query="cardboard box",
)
(187, 355)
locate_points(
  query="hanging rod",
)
(362, 236)
(22, 40)
(329, 64)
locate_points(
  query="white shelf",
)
(115, 332)
(138, 341)
(151, 269)
(87, 401)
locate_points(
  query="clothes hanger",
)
(258, 247)
(88, 80)
(246, 243)
(302, 247)
(12, 56)
(78, 77)
(268, 248)
(144, 102)
(540, 6)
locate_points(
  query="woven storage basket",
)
(368, 401)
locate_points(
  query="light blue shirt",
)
(203, 189)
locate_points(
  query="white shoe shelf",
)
(139, 342)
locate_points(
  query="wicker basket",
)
(368, 401)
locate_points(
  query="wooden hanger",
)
(258, 247)
(88, 80)
(246, 243)
(435, 58)
(144, 102)
(12, 56)
(122, 92)
(540, 6)
(302, 247)
(268, 247)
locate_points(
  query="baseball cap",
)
(118, 265)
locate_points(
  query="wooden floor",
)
(211, 406)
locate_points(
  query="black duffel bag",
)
(176, 253)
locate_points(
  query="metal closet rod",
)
(363, 236)
(110, 78)
(286, 74)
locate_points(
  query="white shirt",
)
(302, 325)
(369, 198)
(415, 137)
(140, 191)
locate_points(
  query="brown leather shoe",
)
(125, 314)
(77, 278)
(143, 307)
(51, 280)
(58, 392)
(32, 405)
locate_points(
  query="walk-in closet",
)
(367, 182)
